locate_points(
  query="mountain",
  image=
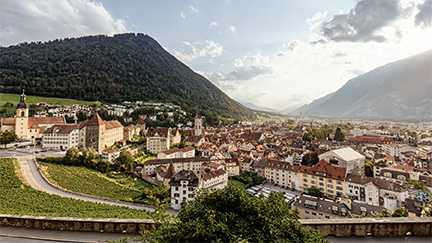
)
(314, 103)
(257, 107)
(125, 67)
(399, 90)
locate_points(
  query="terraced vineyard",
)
(20, 199)
(92, 182)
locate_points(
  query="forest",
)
(125, 67)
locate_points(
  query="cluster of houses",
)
(336, 169)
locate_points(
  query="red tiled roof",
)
(329, 171)
(213, 174)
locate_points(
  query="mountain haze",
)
(125, 67)
(399, 90)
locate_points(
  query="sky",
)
(275, 53)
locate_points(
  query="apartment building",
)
(61, 137)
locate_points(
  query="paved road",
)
(33, 177)
(28, 235)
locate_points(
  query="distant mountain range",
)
(125, 67)
(400, 90)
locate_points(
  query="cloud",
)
(183, 15)
(363, 22)
(424, 16)
(196, 50)
(193, 9)
(233, 29)
(37, 20)
(214, 23)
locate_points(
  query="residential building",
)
(232, 167)
(329, 179)
(98, 134)
(62, 137)
(347, 158)
(282, 173)
(184, 186)
(110, 154)
(160, 139)
(176, 153)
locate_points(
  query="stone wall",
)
(378, 227)
(78, 224)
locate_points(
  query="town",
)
(325, 168)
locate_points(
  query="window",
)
(339, 183)
(321, 184)
(184, 192)
(321, 179)
(339, 188)
(313, 213)
(305, 180)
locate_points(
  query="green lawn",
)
(15, 98)
(18, 198)
(88, 181)
(236, 183)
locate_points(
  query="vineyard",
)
(20, 199)
(88, 181)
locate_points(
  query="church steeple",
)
(22, 109)
(198, 124)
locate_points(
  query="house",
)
(347, 158)
(282, 173)
(232, 167)
(164, 174)
(110, 154)
(98, 134)
(184, 186)
(62, 137)
(175, 153)
(329, 179)
(160, 139)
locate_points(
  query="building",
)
(25, 126)
(176, 153)
(164, 174)
(329, 179)
(184, 186)
(347, 158)
(232, 167)
(98, 134)
(160, 139)
(198, 127)
(283, 174)
(62, 137)
(132, 130)
(110, 154)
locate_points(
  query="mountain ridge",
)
(397, 90)
(111, 69)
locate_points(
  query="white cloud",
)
(183, 15)
(193, 9)
(214, 23)
(233, 29)
(37, 20)
(196, 50)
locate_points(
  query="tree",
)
(313, 191)
(399, 212)
(307, 137)
(339, 136)
(71, 157)
(233, 215)
(368, 167)
(125, 160)
(7, 137)
(419, 185)
(103, 166)
(88, 158)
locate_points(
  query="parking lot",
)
(266, 188)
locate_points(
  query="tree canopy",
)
(233, 215)
(339, 136)
(7, 137)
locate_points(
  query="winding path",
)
(33, 177)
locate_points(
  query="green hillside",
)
(15, 98)
(111, 69)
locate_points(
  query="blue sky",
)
(274, 53)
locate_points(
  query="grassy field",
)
(236, 183)
(20, 199)
(15, 98)
(92, 182)
(142, 159)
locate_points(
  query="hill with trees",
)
(125, 67)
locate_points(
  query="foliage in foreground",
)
(249, 178)
(20, 199)
(233, 215)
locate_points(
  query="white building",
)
(175, 153)
(347, 158)
(397, 149)
(61, 137)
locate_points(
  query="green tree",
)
(368, 167)
(313, 191)
(71, 157)
(399, 212)
(103, 166)
(233, 215)
(339, 136)
(7, 137)
(307, 137)
(88, 158)
(125, 160)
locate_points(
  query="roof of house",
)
(380, 183)
(161, 132)
(322, 168)
(213, 174)
(176, 160)
(211, 164)
(61, 129)
(346, 154)
(114, 149)
(35, 122)
(184, 175)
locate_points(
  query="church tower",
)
(198, 124)
(22, 113)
